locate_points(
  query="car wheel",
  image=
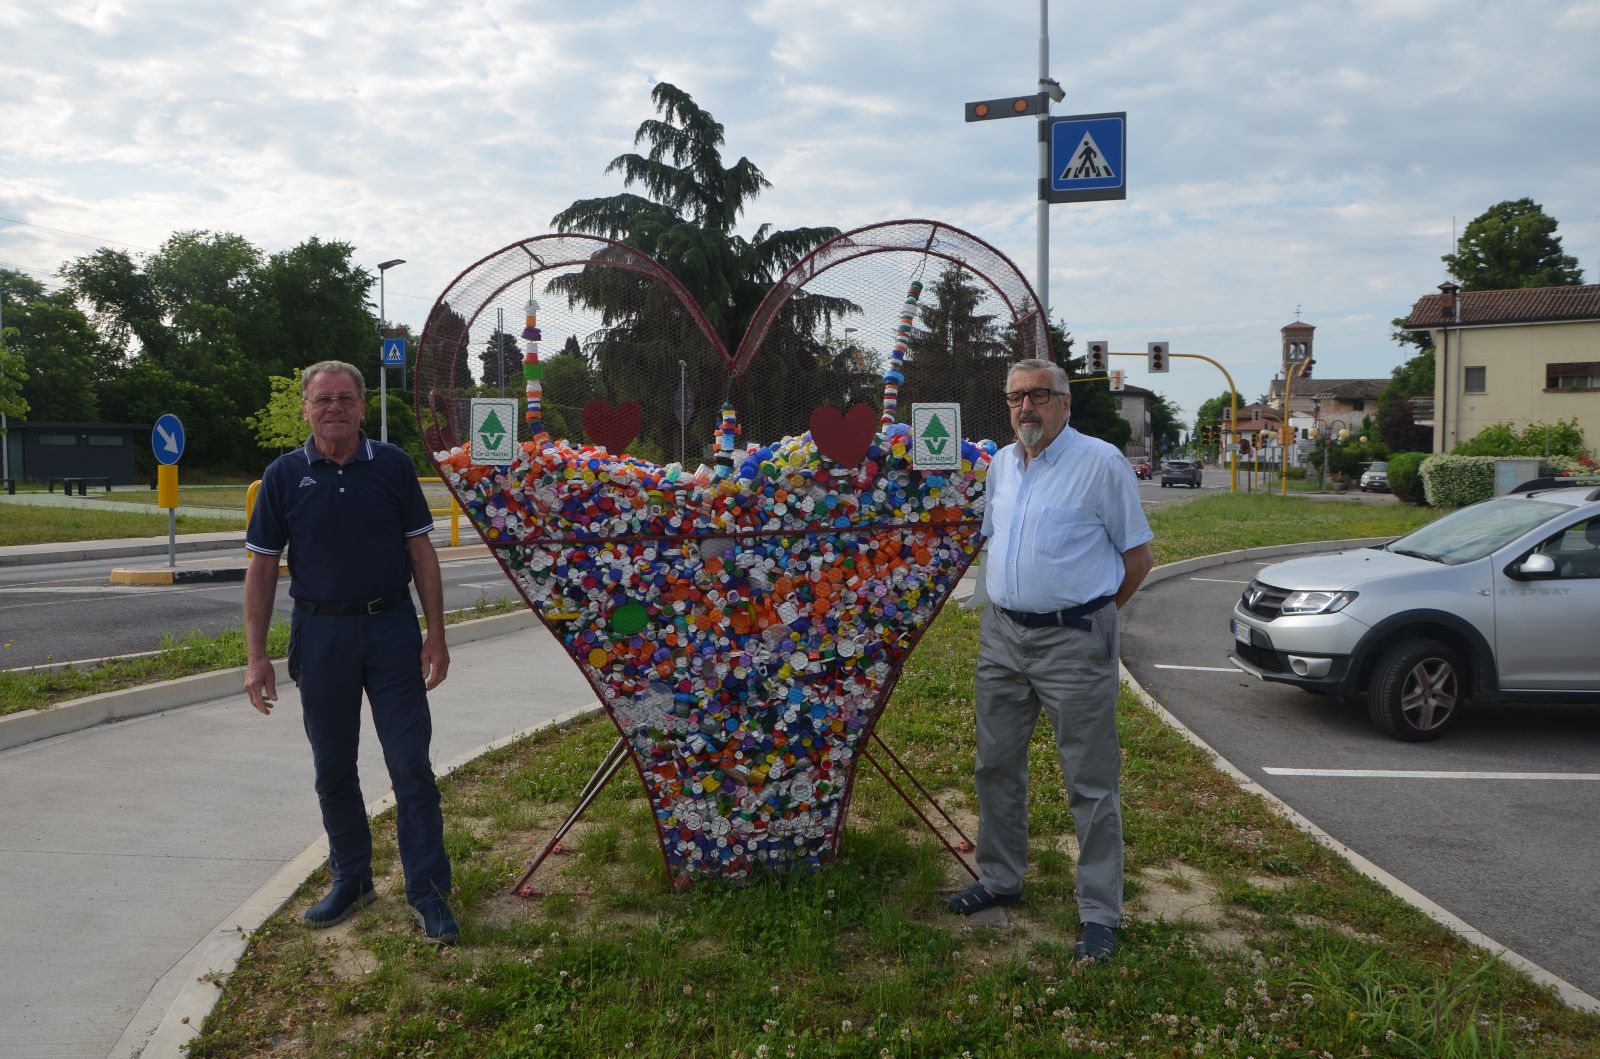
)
(1417, 690)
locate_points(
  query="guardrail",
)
(453, 510)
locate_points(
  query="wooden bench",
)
(81, 482)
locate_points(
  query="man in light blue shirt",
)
(1067, 539)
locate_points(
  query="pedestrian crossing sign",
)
(1088, 158)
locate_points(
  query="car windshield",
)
(1379, 466)
(1469, 534)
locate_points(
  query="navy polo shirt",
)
(346, 526)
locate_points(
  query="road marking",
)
(484, 585)
(1201, 669)
(1422, 774)
(1219, 580)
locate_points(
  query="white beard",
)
(1030, 434)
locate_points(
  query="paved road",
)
(65, 611)
(1516, 858)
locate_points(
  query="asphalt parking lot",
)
(1494, 822)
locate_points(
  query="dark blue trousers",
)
(334, 658)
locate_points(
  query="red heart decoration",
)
(742, 625)
(612, 427)
(844, 437)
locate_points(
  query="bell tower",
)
(1297, 338)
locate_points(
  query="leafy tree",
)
(281, 424)
(1166, 430)
(569, 381)
(1396, 424)
(60, 347)
(502, 362)
(198, 326)
(686, 220)
(13, 365)
(1509, 245)
(957, 353)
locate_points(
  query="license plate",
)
(1241, 632)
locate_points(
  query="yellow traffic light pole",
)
(1233, 420)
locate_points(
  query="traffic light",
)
(1008, 107)
(1099, 357)
(1156, 356)
(1244, 444)
(1116, 381)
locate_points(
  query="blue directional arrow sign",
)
(394, 352)
(1088, 158)
(166, 439)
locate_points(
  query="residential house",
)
(1133, 405)
(1518, 356)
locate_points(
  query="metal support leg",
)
(970, 870)
(615, 758)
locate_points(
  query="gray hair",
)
(1058, 374)
(323, 367)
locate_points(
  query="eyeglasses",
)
(1039, 395)
(327, 399)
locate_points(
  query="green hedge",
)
(1405, 476)
(1451, 481)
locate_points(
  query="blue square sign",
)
(394, 352)
(1088, 158)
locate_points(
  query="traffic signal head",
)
(1116, 381)
(1099, 357)
(1156, 356)
(1008, 107)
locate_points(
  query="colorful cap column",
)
(896, 372)
(727, 431)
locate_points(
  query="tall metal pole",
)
(383, 369)
(1042, 264)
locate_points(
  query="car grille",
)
(1264, 601)
(1263, 658)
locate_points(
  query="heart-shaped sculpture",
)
(744, 623)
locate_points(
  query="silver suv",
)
(1499, 601)
(1375, 479)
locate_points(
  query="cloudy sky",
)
(1281, 156)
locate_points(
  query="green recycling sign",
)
(936, 437)
(494, 429)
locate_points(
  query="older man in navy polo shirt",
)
(1068, 546)
(356, 524)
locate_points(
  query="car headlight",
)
(1316, 602)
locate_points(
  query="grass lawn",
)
(23, 524)
(1244, 937)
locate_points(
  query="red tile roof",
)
(1530, 305)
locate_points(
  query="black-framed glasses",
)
(1037, 396)
(327, 399)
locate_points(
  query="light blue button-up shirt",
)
(1057, 528)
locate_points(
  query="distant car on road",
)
(1141, 467)
(1180, 472)
(1375, 479)
(1494, 602)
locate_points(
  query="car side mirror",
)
(1534, 566)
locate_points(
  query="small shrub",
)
(1405, 476)
(1451, 481)
(1536, 439)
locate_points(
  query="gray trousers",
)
(1073, 675)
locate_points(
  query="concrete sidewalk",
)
(129, 846)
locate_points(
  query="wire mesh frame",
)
(923, 238)
(479, 285)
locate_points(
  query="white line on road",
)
(1421, 774)
(1219, 580)
(1201, 669)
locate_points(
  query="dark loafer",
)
(345, 898)
(437, 923)
(1097, 943)
(976, 898)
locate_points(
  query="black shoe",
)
(345, 897)
(976, 898)
(1096, 944)
(437, 923)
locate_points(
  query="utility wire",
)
(76, 235)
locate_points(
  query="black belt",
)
(346, 610)
(1075, 617)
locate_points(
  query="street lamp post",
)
(1326, 430)
(383, 369)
